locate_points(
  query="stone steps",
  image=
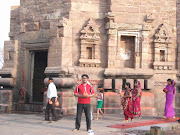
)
(177, 111)
(4, 107)
(149, 111)
(29, 107)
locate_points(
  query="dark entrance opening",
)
(40, 63)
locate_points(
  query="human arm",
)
(128, 96)
(101, 96)
(78, 95)
(138, 93)
(91, 95)
(173, 83)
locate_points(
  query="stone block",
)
(118, 84)
(32, 26)
(147, 99)
(45, 24)
(150, 84)
(107, 83)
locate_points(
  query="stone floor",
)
(34, 124)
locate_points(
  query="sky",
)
(5, 19)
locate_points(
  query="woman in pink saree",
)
(170, 92)
(136, 94)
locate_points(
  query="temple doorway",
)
(39, 63)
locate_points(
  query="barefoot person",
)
(100, 102)
(52, 98)
(84, 92)
(127, 102)
(170, 92)
(136, 94)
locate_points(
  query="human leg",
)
(47, 112)
(78, 115)
(87, 108)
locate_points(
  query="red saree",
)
(136, 108)
(127, 105)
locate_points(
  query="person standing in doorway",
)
(51, 98)
(84, 92)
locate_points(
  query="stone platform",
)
(34, 124)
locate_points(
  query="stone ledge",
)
(6, 71)
(129, 73)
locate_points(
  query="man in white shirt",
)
(52, 98)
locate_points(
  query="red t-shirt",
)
(81, 89)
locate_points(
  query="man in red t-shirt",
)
(84, 92)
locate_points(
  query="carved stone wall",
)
(87, 37)
(90, 50)
(162, 49)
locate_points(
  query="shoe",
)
(75, 130)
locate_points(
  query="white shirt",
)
(52, 91)
(99, 97)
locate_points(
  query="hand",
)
(87, 96)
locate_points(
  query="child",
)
(100, 101)
(127, 102)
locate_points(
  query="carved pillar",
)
(145, 40)
(60, 50)
(8, 74)
(112, 39)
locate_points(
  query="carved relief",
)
(162, 49)
(90, 56)
(162, 35)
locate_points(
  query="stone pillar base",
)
(5, 100)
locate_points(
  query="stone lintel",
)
(59, 71)
(129, 73)
(6, 72)
(62, 82)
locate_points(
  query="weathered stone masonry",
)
(113, 41)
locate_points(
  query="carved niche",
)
(162, 49)
(90, 52)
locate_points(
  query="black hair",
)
(101, 89)
(169, 80)
(50, 78)
(85, 76)
(100, 86)
(128, 84)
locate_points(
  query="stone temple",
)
(113, 41)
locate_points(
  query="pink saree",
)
(136, 108)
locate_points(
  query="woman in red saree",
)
(136, 95)
(127, 102)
